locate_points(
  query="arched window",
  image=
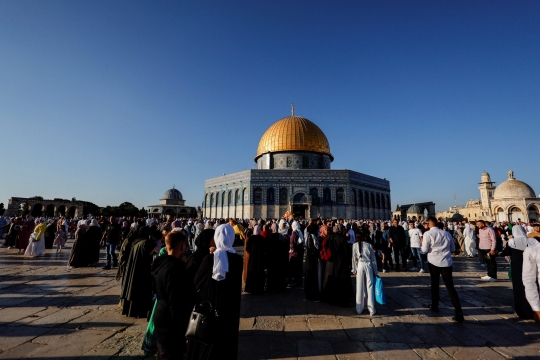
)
(211, 200)
(340, 196)
(217, 199)
(223, 198)
(388, 205)
(270, 196)
(371, 200)
(383, 202)
(229, 198)
(314, 196)
(237, 197)
(206, 200)
(245, 196)
(283, 197)
(378, 199)
(361, 197)
(257, 196)
(355, 200)
(327, 196)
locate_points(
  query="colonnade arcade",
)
(273, 202)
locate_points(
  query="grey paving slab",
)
(50, 312)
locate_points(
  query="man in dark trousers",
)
(398, 241)
(439, 246)
(175, 298)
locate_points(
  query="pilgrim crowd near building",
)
(292, 222)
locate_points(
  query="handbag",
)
(201, 324)
(379, 291)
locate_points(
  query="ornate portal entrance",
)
(300, 205)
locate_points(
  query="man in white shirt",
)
(439, 245)
(415, 236)
(531, 271)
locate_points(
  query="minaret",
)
(487, 188)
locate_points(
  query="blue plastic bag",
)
(379, 291)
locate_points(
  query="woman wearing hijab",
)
(517, 246)
(202, 242)
(256, 249)
(219, 281)
(470, 241)
(312, 279)
(296, 255)
(337, 286)
(364, 265)
(277, 258)
(23, 235)
(93, 235)
(136, 293)
(77, 256)
(49, 234)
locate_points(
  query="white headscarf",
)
(519, 240)
(224, 239)
(468, 232)
(283, 230)
(296, 227)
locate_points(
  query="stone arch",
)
(270, 196)
(515, 212)
(212, 200)
(300, 198)
(533, 212)
(371, 200)
(237, 197)
(49, 210)
(327, 196)
(37, 210)
(361, 197)
(61, 210)
(72, 211)
(314, 193)
(229, 197)
(378, 200)
(283, 196)
(340, 196)
(383, 202)
(355, 199)
(245, 197)
(183, 213)
(217, 199)
(222, 198)
(388, 205)
(257, 196)
(205, 201)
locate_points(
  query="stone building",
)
(418, 211)
(44, 207)
(294, 174)
(172, 203)
(511, 200)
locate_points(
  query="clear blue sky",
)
(112, 101)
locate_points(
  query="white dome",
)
(513, 188)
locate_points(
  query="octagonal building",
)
(294, 174)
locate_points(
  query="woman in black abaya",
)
(337, 287)
(312, 281)
(219, 281)
(202, 242)
(255, 280)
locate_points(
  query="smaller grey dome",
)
(414, 210)
(173, 194)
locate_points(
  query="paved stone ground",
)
(50, 312)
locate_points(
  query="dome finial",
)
(511, 175)
(292, 106)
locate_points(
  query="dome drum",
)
(291, 135)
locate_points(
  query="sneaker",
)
(414, 269)
(485, 277)
(492, 279)
(384, 271)
(421, 271)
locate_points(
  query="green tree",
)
(2, 209)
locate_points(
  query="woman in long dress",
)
(36, 246)
(77, 257)
(93, 235)
(364, 265)
(517, 245)
(296, 255)
(470, 241)
(23, 236)
(312, 281)
(219, 281)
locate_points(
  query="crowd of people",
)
(169, 268)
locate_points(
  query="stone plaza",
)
(50, 312)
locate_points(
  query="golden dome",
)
(293, 133)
